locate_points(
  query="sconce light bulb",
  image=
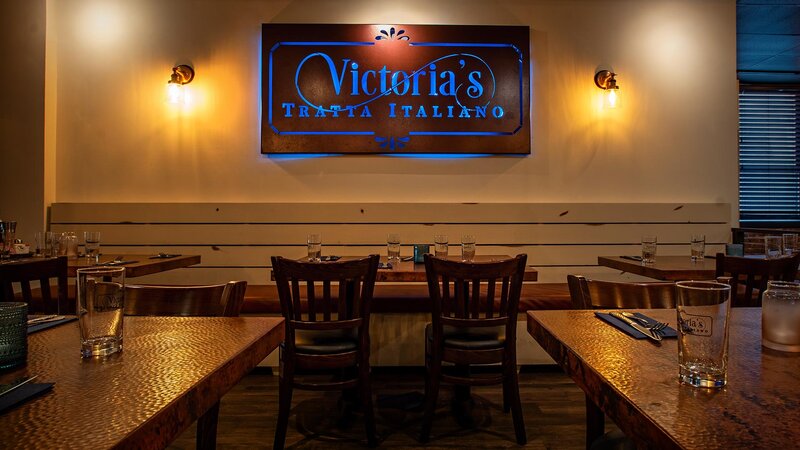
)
(611, 98)
(174, 93)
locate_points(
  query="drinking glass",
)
(101, 302)
(789, 244)
(703, 309)
(314, 242)
(468, 248)
(50, 244)
(440, 245)
(68, 244)
(780, 316)
(698, 247)
(649, 246)
(773, 246)
(13, 334)
(91, 240)
(393, 247)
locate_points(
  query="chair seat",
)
(324, 342)
(483, 338)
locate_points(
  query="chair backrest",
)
(476, 294)
(43, 270)
(207, 300)
(749, 276)
(325, 296)
(596, 294)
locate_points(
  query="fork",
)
(657, 327)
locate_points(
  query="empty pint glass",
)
(703, 311)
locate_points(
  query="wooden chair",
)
(325, 330)
(596, 294)
(208, 301)
(43, 270)
(473, 324)
(749, 276)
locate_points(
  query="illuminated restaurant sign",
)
(395, 89)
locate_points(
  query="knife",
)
(636, 326)
(6, 388)
(44, 319)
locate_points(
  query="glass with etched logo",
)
(703, 310)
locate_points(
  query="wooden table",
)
(411, 272)
(670, 268)
(171, 371)
(144, 265)
(635, 382)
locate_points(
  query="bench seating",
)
(412, 298)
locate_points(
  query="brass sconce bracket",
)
(604, 79)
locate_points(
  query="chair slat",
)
(296, 306)
(504, 293)
(312, 306)
(490, 298)
(326, 298)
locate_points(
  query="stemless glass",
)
(91, 241)
(440, 245)
(773, 246)
(649, 247)
(789, 244)
(780, 316)
(393, 247)
(698, 247)
(101, 302)
(703, 309)
(314, 242)
(468, 248)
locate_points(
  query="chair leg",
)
(366, 405)
(511, 385)
(595, 422)
(431, 396)
(506, 396)
(207, 429)
(284, 404)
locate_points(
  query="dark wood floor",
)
(552, 405)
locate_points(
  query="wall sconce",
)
(605, 80)
(181, 75)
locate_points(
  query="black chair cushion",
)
(487, 338)
(325, 342)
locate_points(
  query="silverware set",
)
(652, 329)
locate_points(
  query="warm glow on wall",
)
(102, 24)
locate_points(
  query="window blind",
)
(769, 157)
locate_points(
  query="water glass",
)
(649, 246)
(773, 246)
(314, 242)
(393, 247)
(101, 302)
(468, 248)
(50, 244)
(91, 240)
(68, 244)
(703, 309)
(698, 247)
(780, 316)
(440, 245)
(789, 244)
(13, 334)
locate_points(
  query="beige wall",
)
(22, 60)
(116, 140)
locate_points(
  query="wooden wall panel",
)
(237, 240)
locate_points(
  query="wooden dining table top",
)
(170, 372)
(138, 266)
(635, 382)
(408, 271)
(669, 268)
